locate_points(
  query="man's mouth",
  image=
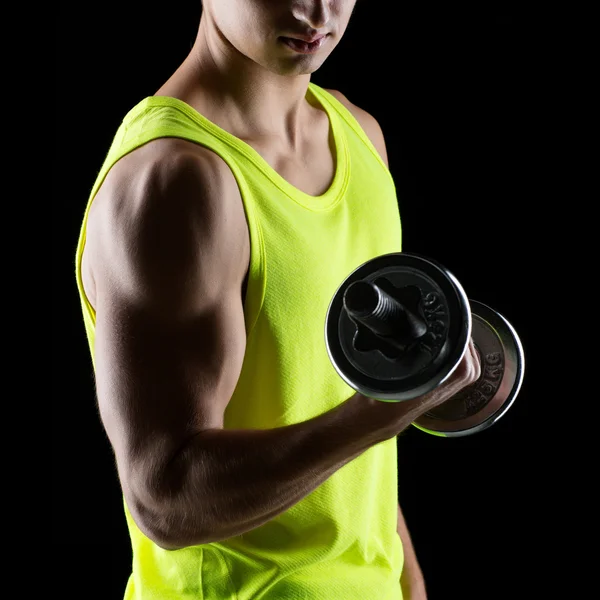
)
(304, 47)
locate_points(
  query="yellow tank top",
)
(340, 541)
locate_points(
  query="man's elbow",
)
(155, 525)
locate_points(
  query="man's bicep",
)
(170, 331)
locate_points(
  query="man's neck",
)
(239, 93)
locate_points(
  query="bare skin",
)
(165, 267)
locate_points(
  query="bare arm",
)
(170, 341)
(411, 579)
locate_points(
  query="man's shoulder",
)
(164, 162)
(163, 178)
(171, 155)
(366, 120)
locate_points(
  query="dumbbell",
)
(399, 325)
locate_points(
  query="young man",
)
(230, 206)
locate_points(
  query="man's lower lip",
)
(303, 47)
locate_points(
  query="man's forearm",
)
(224, 483)
(411, 580)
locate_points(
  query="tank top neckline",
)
(323, 201)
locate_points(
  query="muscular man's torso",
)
(310, 168)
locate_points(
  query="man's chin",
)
(293, 66)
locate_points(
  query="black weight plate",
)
(370, 373)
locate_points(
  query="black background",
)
(455, 94)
